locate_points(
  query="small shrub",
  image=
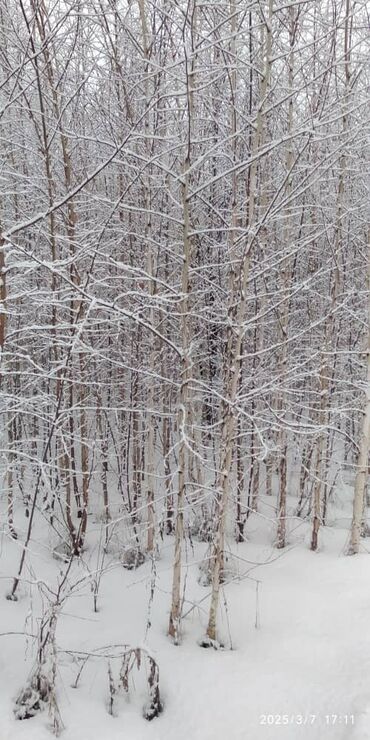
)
(132, 558)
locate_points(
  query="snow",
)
(309, 657)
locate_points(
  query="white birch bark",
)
(363, 456)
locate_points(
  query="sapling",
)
(112, 689)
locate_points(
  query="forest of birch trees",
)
(185, 275)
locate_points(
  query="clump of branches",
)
(134, 657)
(39, 691)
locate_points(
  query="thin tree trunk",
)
(363, 456)
(183, 409)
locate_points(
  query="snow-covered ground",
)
(305, 668)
